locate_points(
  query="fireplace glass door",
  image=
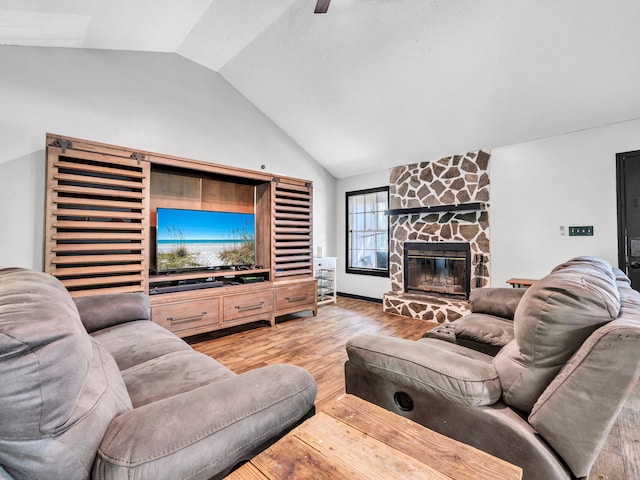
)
(437, 271)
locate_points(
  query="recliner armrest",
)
(205, 432)
(500, 302)
(483, 332)
(102, 311)
(429, 365)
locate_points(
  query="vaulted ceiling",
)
(378, 83)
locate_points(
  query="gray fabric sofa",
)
(547, 400)
(93, 389)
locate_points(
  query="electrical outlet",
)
(586, 231)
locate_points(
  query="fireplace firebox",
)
(437, 268)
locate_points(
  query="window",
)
(368, 232)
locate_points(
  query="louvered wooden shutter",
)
(292, 239)
(96, 225)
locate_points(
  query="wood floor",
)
(318, 345)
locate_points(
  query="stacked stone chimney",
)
(454, 181)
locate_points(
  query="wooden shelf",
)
(169, 277)
(460, 207)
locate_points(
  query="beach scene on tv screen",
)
(191, 239)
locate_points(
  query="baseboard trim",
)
(359, 297)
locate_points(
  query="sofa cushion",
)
(205, 432)
(621, 278)
(127, 342)
(60, 389)
(172, 374)
(577, 411)
(101, 311)
(161, 368)
(594, 384)
(554, 317)
(46, 353)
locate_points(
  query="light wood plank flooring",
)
(318, 345)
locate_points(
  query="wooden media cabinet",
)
(100, 234)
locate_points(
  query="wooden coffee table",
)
(355, 439)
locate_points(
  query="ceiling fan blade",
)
(322, 6)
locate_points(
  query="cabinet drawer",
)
(248, 305)
(181, 316)
(295, 295)
(324, 262)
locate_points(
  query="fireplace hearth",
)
(437, 268)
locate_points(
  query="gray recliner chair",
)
(547, 400)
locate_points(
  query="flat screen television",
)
(201, 239)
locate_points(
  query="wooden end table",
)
(355, 439)
(521, 282)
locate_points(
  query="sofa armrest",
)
(483, 332)
(205, 432)
(438, 368)
(500, 302)
(102, 311)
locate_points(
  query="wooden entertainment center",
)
(100, 237)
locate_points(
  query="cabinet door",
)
(292, 235)
(187, 318)
(97, 218)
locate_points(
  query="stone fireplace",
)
(444, 202)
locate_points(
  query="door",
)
(628, 184)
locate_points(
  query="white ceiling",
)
(378, 83)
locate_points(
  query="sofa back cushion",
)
(554, 317)
(59, 390)
(578, 409)
(98, 312)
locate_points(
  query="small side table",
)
(521, 282)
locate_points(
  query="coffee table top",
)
(355, 439)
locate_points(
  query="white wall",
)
(364, 285)
(156, 102)
(536, 187)
(540, 185)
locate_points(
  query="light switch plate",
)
(586, 231)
